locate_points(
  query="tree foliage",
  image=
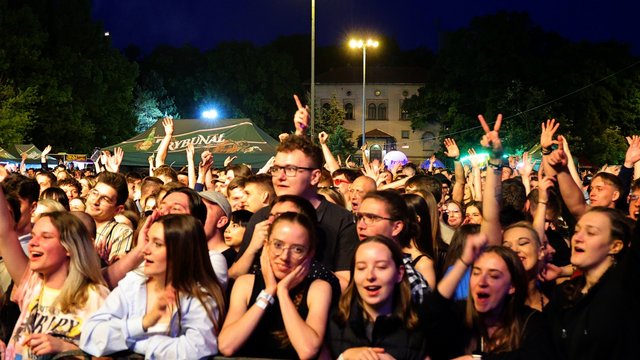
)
(503, 63)
(84, 87)
(330, 119)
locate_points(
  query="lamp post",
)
(361, 44)
(313, 67)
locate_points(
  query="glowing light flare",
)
(210, 114)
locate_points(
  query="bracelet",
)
(546, 150)
(262, 303)
(462, 261)
(542, 202)
(268, 298)
(497, 166)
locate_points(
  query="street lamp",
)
(313, 67)
(362, 44)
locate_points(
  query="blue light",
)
(210, 114)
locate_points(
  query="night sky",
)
(413, 23)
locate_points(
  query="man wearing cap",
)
(218, 214)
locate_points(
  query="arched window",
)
(371, 113)
(375, 152)
(348, 111)
(428, 141)
(382, 112)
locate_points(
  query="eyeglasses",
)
(101, 198)
(296, 251)
(633, 197)
(370, 219)
(337, 182)
(289, 170)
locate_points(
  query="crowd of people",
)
(306, 258)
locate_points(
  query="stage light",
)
(210, 114)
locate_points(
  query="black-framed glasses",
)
(370, 219)
(289, 170)
(296, 251)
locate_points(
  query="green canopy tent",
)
(229, 137)
(33, 154)
(6, 156)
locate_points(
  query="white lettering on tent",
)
(196, 141)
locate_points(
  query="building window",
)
(405, 134)
(348, 111)
(382, 112)
(428, 141)
(404, 114)
(372, 112)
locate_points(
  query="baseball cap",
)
(218, 199)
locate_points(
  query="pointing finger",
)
(298, 103)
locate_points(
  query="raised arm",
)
(206, 161)
(302, 118)
(191, 167)
(454, 152)
(331, 163)
(571, 193)
(167, 123)
(570, 164)
(492, 197)
(14, 258)
(43, 158)
(475, 174)
(527, 168)
(472, 248)
(539, 217)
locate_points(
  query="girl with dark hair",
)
(421, 245)
(376, 317)
(595, 315)
(173, 311)
(58, 283)
(279, 312)
(494, 322)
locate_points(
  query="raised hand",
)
(46, 151)
(548, 131)
(491, 138)
(302, 118)
(323, 137)
(229, 160)
(527, 165)
(473, 247)
(558, 159)
(473, 159)
(282, 137)
(633, 152)
(113, 162)
(167, 124)
(452, 148)
(190, 151)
